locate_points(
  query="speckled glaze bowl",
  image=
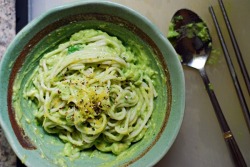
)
(36, 148)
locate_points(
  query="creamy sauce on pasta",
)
(93, 91)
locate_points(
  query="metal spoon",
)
(191, 39)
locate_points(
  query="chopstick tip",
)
(210, 8)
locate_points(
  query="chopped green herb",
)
(190, 25)
(73, 48)
(190, 30)
(180, 58)
(214, 57)
(171, 32)
(202, 32)
(178, 18)
(210, 86)
(197, 29)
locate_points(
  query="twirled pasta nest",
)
(93, 92)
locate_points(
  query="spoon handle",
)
(228, 136)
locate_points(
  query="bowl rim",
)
(26, 29)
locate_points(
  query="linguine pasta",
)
(93, 92)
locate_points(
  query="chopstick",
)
(228, 136)
(235, 46)
(231, 69)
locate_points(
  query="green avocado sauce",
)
(138, 67)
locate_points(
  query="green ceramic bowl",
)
(36, 148)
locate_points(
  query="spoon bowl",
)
(193, 42)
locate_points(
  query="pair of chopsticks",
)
(229, 61)
(228, 136)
